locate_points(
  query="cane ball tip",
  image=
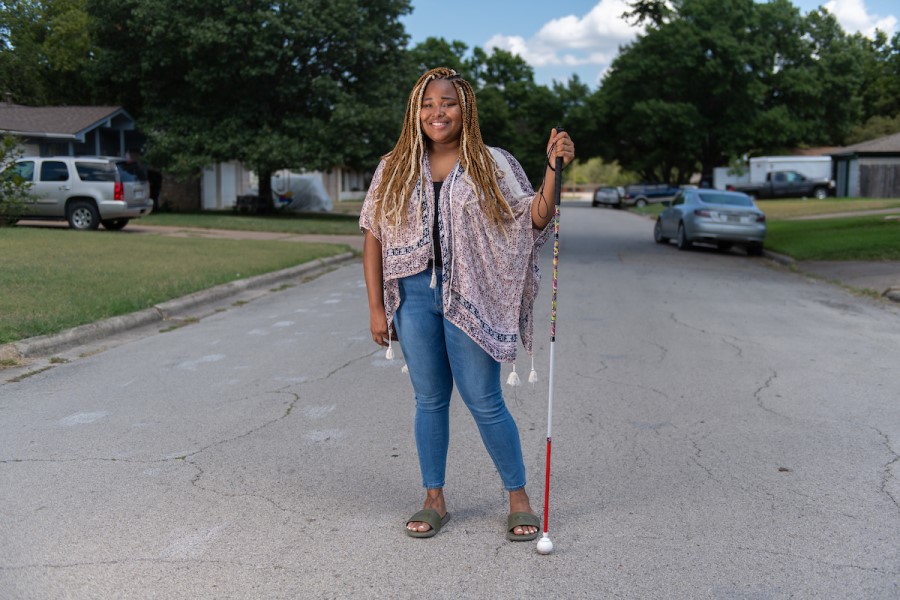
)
(544, 545)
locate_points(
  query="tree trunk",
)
(265, 204)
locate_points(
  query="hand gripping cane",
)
(544, 545)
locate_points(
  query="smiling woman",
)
(453, 231)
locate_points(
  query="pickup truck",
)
(787, 184)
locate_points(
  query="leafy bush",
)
(13, 188)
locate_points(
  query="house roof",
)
(889, 144)
(58, 121)
(818, 151)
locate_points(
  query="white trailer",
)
(813, 167)
(759, 167)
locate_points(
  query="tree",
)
(438, 52)
(44, 49)
(715, 80)
(294, 83)
(873, 128)
(881, 73)
(651, 12)
(14, 189)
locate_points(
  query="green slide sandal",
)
(430, 516)
(522, 519)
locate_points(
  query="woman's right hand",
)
(378, 325)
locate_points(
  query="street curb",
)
(782, 259)
(892, 294)
(49, 344)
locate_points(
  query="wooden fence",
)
(879, 181)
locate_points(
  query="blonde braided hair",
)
(403, 166)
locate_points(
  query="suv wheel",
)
(640, 202)
(115, 224)
(820, 193)
(83, 215)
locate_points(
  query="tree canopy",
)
(44, 49)
(318, 84)
(713, 80)
(273, 84)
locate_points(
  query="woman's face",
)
(441, 116)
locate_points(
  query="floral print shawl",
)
(490, 276)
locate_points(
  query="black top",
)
(435, 232)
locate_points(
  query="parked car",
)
(86, 191)
(608, 195)
(713, 217)
(643, 194)
(788, 184)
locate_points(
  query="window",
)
(24, 170)
(130, 172)
(53, 170)
(727, 199)
(95, 171)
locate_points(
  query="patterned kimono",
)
(490, 275)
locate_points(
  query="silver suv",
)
(85, 190)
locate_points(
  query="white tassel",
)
(390, 351)
(532, 377)
(405, 368)
(513, 379)
(433, 278)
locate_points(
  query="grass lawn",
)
(787, 209)
(53, 279)
(851, 238)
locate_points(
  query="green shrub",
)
(13, 188)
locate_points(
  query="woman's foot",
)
(434, 499)
(518, 502)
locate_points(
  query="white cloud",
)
(604, 24)
(853, 17)
(572, 41)
(593, 40)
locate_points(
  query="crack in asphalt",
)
(887, 471)
(664, 352)
(728, 339)
(758, 396)
(696, 460)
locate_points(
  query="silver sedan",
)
(712, 217)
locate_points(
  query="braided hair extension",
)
(403, 165)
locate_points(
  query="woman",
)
(452, 231)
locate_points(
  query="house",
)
(110, 131)
(70, 130)
(222, 184)
(869, 169)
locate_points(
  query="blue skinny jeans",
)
(437, 353)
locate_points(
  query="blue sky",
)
(583, 36)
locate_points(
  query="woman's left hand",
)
(560, 146)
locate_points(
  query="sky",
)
(582, 37)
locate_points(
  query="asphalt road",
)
(723, 428)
